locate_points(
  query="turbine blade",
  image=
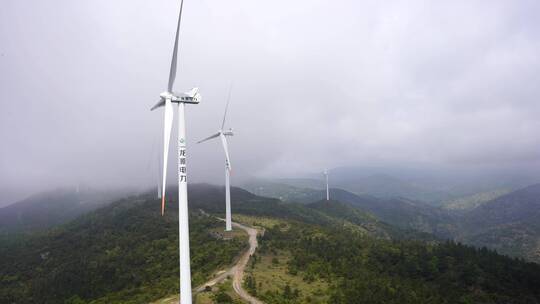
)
(157, 105)
(226, 108)
(226, 149)
(159, 174)
(167, 128)
(209, 137)
(172, 73)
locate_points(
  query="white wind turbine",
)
(327, 190)
(223, 135)
(167, 98)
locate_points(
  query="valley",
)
(501, 219)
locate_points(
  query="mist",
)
(316, 84)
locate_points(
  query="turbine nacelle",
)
(227, 132)
(192, 97)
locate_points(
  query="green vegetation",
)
(508, 224)
(362, 269)
(398, 212)
(365, 267)
(221, 294)
(269, 278)
(354, 219)
(224, 294)
(282, 191)
(258, 221)
(472, 201)
(323, 252)
(124, 253)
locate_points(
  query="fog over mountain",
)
(315, 84)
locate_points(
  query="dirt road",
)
(236, 271)
(241, 265)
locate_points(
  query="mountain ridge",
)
(47, 209)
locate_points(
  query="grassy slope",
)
(270, 272)
(271, 275)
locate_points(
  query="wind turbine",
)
(167, 98)
(222, 134)
(327, 190)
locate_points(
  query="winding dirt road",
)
(241, 265)
(237, 271)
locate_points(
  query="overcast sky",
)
(316, 84)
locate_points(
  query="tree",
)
(223, 298)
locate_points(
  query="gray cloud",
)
(316, 84)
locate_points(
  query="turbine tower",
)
(167, 98)
(327, 190)
(223, 136)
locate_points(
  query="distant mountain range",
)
(379, 185)
(505, 220)
(510, 224)
(470, 202)
(433, 186)
(398, 211)
(508, 221)
(54, 207)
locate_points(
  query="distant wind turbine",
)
(327, 190)
(223, 135)
(166, 99)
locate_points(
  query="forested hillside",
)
(124, 253)
(498, 219)
(510, 224)
(372, 268)
(360, 269)
(470, 202)
(399, 212)
(327, 252)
